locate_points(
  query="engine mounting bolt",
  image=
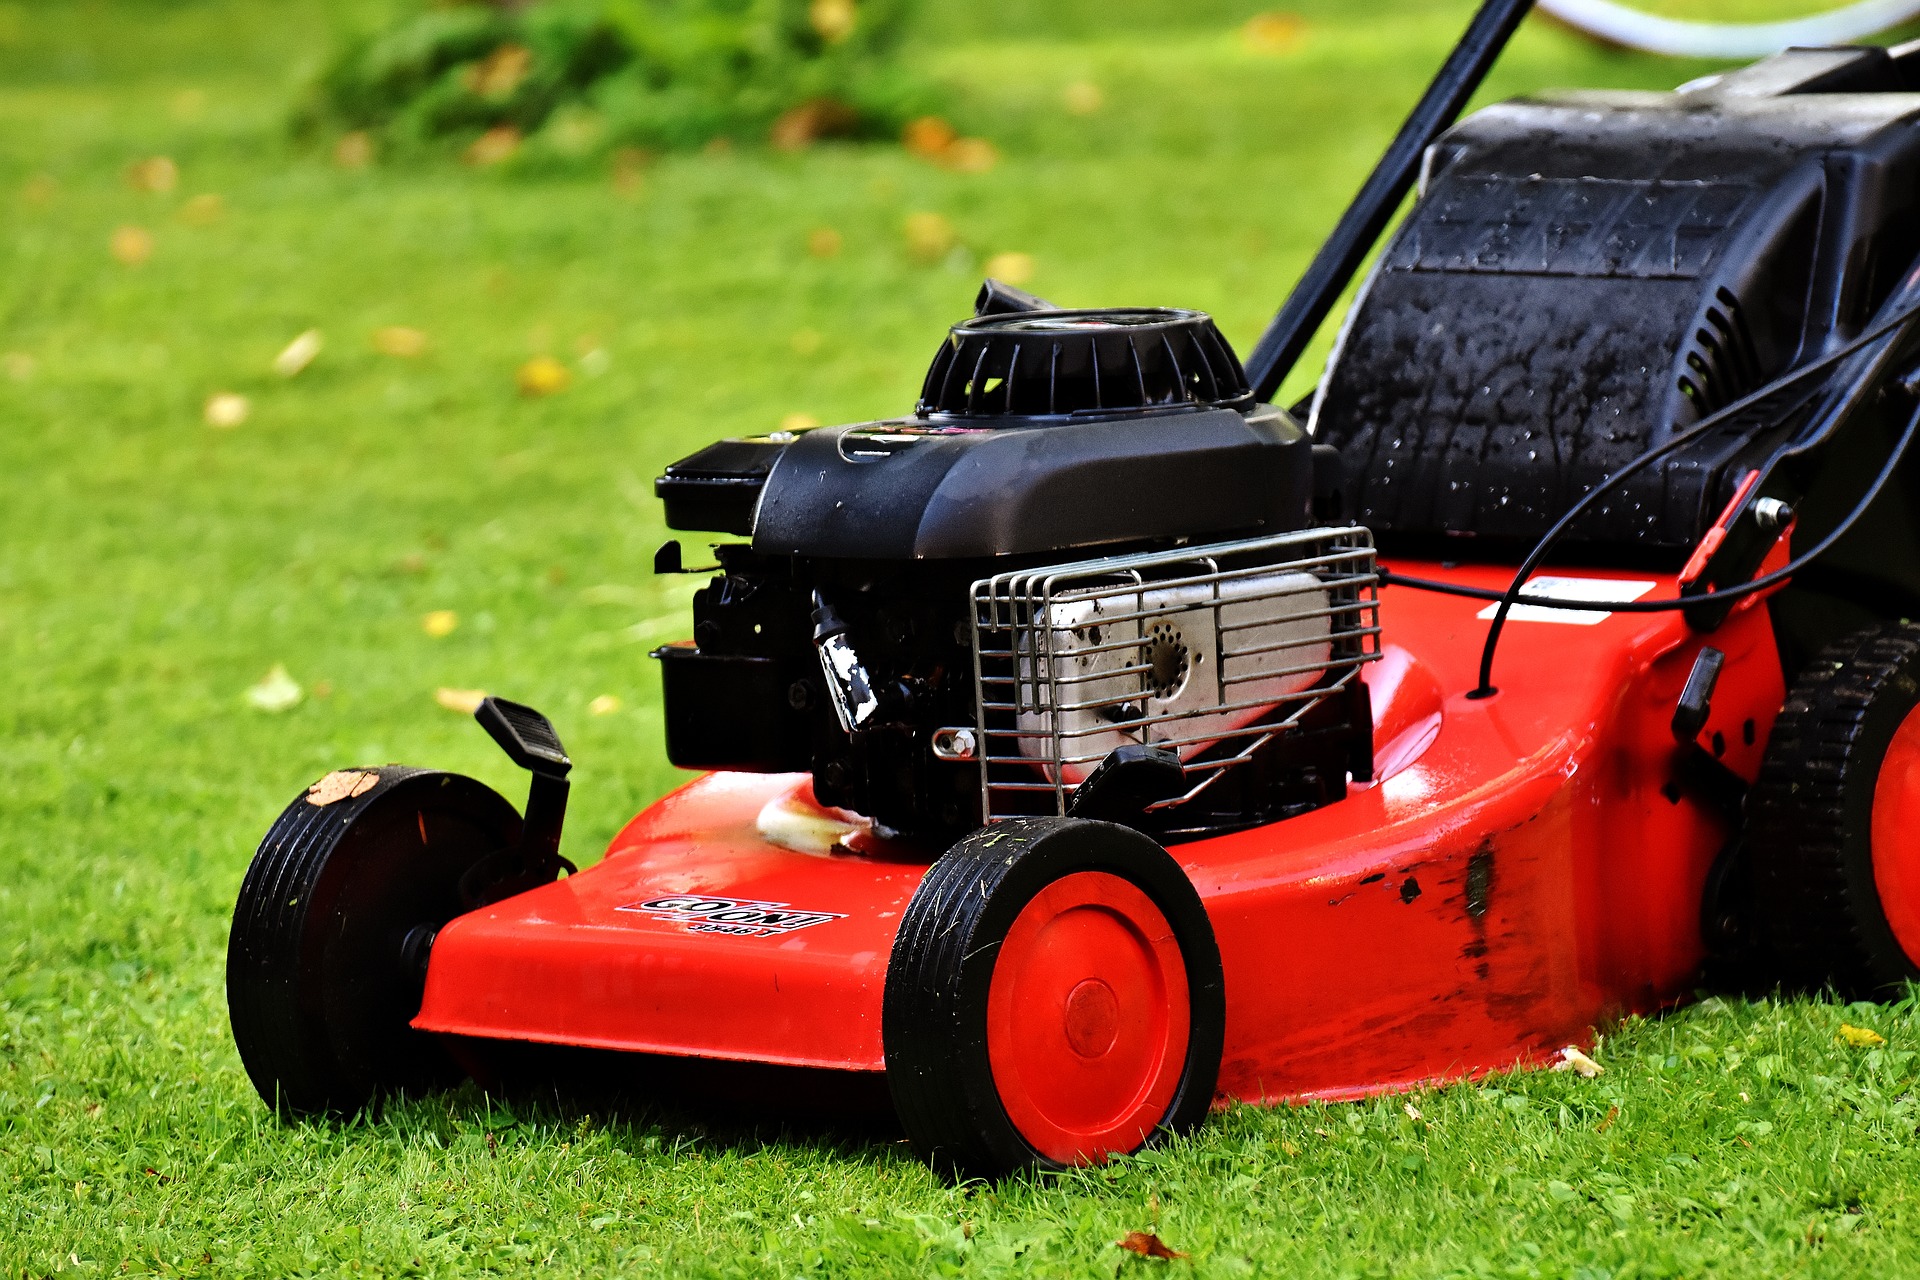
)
(1772, 514)
(954, 744)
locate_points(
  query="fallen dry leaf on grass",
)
(156, 174)
(440, 623)
(465, 701)
(341, 784)
(131, 245)
(1273, 32)
(226, 409)
(1148, 1245)
(500, 72)
(1082, 97)
(493, 146)
(399, 340)
(277, 691)
(629, 170)
(928, 137)
(1860, 1037)
(354, 150)
(970, 155)
(604, 705)
(802, 126)
(833, 20)
(1014, 268)
(203, 210)
(1571, 1059)
(543, 376)
(930, 237)
(298, 354)
(824, 242)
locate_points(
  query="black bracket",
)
(1129, 781)
(1696, 768)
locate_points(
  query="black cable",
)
(1541, 548)
(1740, 591)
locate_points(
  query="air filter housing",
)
(1059, 363)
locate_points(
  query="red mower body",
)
(1524, 866)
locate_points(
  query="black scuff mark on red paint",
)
(1409, 889)
(1480, 882)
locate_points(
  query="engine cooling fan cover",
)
(1063, 363)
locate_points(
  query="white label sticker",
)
(1600, 590)
(742, 917)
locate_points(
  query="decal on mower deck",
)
(742, 917)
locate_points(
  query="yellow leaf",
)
(465, 701)
(543, 376)
(833, 20)
(1571, 1059)
(299, 353)
(1083, 97)
(203, 210)
(440, 623)
(493, 146)
(226, 409)
(131, 245)
(277, 691)
(604, 705)
(1014, 268)
(824, 242)
(1860, 1037)
(156, 174)
(500, 72)
(399, 340)
(930, 237)
(1273, 32)
(970, 155)
(354, 150)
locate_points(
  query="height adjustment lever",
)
(530, 742)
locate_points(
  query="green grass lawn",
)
(153, 568)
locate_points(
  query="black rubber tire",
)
(320, 989)
(934, 1011)
(1811, 814)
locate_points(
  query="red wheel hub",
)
(1087, 1018)
(1896, 835)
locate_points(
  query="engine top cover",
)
(1036, 432)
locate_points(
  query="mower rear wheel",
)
(326, 961)
(1835, 817)
(1054, 997)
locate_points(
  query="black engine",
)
(838, 639)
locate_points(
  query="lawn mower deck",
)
(1072, 761)
(1522, 868)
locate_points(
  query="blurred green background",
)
(392, 529)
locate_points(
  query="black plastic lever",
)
(1696, 696)
(530, 742)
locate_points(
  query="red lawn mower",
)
(1073, 762)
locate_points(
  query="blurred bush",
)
(567, 79)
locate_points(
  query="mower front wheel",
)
(1054, 997)
(327, 958)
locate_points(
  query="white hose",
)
(1617, 24)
